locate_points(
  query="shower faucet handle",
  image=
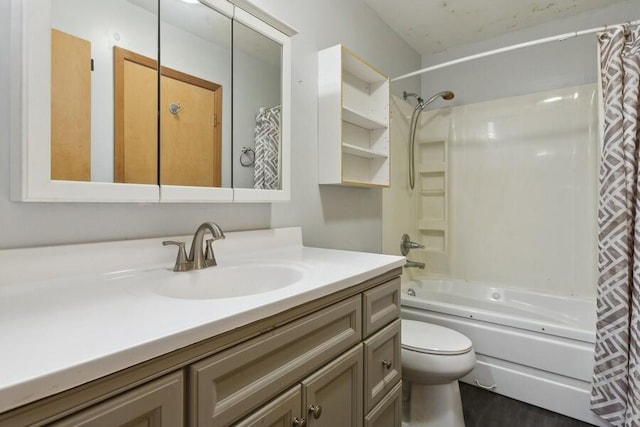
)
(406, 245)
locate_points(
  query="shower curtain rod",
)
(560, 37)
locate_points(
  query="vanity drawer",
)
(389, 410)
(158, 403)
(381, 305)
(236, 381)
(382, 370)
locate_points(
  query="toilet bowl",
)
(433, 359)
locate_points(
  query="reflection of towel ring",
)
(175, 107)
(248, 156)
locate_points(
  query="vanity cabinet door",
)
(332, 396)
(230, 384)
(282, 411)
(159, 403)
(382, 365)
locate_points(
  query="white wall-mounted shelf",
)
(359, 119)
(353, 126)
(354, 150)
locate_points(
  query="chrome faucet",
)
(197, 258)
(203, 259)
(405, 246)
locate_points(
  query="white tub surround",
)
(531, 346)
(506, 192)
(72, 314)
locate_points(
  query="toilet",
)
(433, 359)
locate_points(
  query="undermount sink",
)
(228, 281)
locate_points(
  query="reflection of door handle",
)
(175, 107)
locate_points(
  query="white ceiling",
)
(432, 26)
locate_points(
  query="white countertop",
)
(60, 329)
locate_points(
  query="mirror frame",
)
(31, 131)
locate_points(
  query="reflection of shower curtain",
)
(615, 395)
(267, 149)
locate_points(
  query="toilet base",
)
(435, 405)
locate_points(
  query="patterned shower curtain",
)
(615, 394)
(267, 149)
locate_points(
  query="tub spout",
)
(414, 264)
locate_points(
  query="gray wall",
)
(533, 69)
(336, 217)
(330, 217)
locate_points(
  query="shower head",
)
(446, 95)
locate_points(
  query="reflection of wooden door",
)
(190, 139)
(70, 107)
(136, 118)
(188, 153)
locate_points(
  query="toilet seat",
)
(433, 339)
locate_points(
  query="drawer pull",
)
(315, 410)
(387, 364)
(299, 422)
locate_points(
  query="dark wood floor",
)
(486, 409)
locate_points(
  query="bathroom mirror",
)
(195, 100)
(82, 148)
(96, 94)
(195, 95)
(261, 110)
(257, 100)
(104, 119)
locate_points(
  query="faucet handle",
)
(406, 245)
(182, 263)
(209, 257)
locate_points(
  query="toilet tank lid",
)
(433, 339)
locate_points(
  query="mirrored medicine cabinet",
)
(151, 100)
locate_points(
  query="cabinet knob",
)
(299, 422)
(387, 364)
(315, 410)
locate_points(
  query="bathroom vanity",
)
(115, 344)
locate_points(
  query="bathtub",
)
(530, 346)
